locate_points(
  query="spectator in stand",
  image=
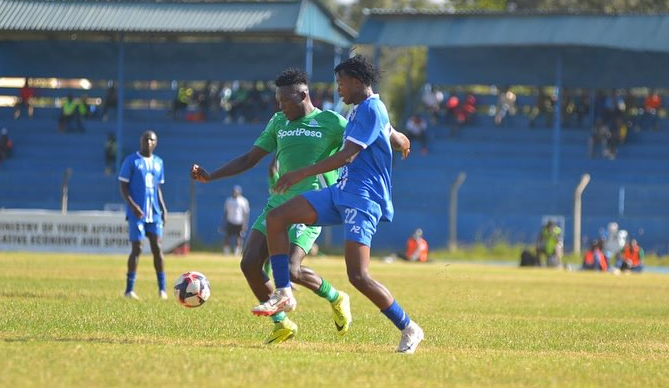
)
(594, 259)
(432, 99)
(328, 97)
(582, 107)
(203, 100)
(631, 111)
(111, 101)
(26, 95)
(110, 154)
(70, 111)
(181, 100)
(417, 130)
(600, 106)
(83, 108)
(620, 131)
(463, 113)
(6, 145)
(549, 244)
(543, 108)
(601, 137)
(568, 107)
(632, 257)
(651, 106)
(506, 106)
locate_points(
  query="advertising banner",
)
(81, 231)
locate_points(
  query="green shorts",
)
(299, 234)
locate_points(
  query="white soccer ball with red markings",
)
(192, 289)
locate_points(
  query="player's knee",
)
(136, 248)
(359, 280)
(155, 248)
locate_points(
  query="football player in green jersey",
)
(300, 135)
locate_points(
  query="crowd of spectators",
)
(618, 110)
(614, 251)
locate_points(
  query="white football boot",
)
(412, 335)
(281, 300)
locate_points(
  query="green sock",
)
(327, 291)
(278, 317)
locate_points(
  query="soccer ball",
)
(192, 289)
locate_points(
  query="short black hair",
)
(360, 68)
(292, 76)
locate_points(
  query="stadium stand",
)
(508, 186)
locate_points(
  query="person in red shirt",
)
(25, 96)
(594, 259)
(416, 248)
(632, 257)
(651, 106)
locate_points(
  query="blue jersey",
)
(144, 177)
(368, 175)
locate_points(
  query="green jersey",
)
(301, 143)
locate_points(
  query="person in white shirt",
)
(236, 220)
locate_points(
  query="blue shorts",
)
(137, 229)
(360, 216)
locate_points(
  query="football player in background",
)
(141, 177)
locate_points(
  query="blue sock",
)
(278, 317)
(281, 270)
(161, 280)
(130, 281)
(397, 315)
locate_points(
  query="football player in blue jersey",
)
(141, 176)
(360, 200)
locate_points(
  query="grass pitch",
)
(64, 323)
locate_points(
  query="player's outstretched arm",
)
(233, 167)
(400, 142)
(345, 156)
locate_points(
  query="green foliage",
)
(65, 324)
(401, 86)
(605, 6)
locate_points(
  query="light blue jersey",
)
(144, 176)
(368, 175)
(362, 196)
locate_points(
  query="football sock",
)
(327, 291)
(130, 281)
(278, 317)
(397, 315)
(281, 270)
(161, 280)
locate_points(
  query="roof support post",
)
(309, 57)
(120, 90)
(557, 119)
(337, 61)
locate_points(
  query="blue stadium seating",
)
(507, 191)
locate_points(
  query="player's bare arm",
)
(161, 202)
(341, 158)
(125, 193)
(400, 142)
(233, 167)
